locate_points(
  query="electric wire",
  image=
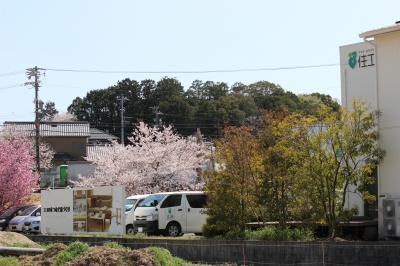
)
(12, 73)
(11, 86)
(193, 72)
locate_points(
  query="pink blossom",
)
(156, 160)
(16, 175)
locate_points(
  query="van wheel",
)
(130, 230)
(173, 229)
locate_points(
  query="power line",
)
(11, 86)
(12, 73)
(193, 72)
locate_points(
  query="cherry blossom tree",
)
(63, 117)
(16, 175)
(156, 160)
(46, 153)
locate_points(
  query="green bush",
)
(112, 244)
(47, 246)
(71, 252)
(270, 233)
(212, 228)
(164, 258)
(140, 235)
(5, 261)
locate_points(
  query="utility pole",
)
(34, 72)
(122, 98)
(158, 121)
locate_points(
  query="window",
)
(197, 201)
(172, 201)
(36, 213)
(74, 146)
(151, 200)
(129, 204)
(81, 146)
(28, 211)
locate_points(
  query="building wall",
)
(357, 81)
(79, 168)
(383, 96)
(73, 145)
(388, 79)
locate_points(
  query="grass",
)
(112, 244)
(72, 251)
(5, 261)
(164, 258)
(270, 233)
(47, 245)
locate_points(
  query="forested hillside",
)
(209, 106)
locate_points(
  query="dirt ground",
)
(10, 238)
(95, 256)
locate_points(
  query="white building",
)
(371, 70)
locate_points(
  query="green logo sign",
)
(353, 59)
(169, 210)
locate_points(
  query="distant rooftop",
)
(96, 134)
(54, 129)
(383, 30)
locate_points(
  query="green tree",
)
(280, 167)
(48, 111)
(270, 96)
(310, 103)
(102, 108)
(335, 151)
(76, 108)
(149, 101)
(232, 189)
(130, 90)
(238, 87)
(328, 101)
(177, 112)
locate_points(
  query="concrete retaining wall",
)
(259, 252)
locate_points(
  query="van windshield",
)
(150, 200)
(129, 203)
(28, 211)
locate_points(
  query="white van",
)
(130, 206)
(171, 213)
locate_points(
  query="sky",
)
(206, 40)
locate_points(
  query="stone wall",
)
(259, 252)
